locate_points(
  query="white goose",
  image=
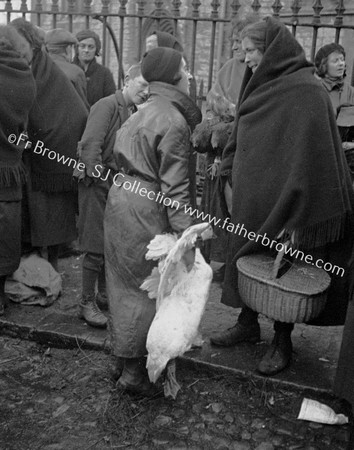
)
(181, 285)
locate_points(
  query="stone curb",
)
(90, 342)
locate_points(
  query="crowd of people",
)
(274, 133)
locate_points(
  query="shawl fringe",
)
(322, 233)
(12, 176)
(52, 182)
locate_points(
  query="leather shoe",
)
(144, 388)
(90, 312)
(278, 356)
(116, 369)
(237, 334)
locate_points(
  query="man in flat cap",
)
(59, 43)
(99, 79)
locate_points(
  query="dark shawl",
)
(17, 89)
(288, 169)
(58, 119)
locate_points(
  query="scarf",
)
(332, 83)
(17, 89)
(57, 119)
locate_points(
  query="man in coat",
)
(152, 151)
(59, 43)
(96, 152)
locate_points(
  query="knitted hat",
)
(168, 40)
(325, 51)
(59, 38)
(86, 34)
(161, 64)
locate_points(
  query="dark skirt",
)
(130, 222)
(49, 218)
(10, 237)
(92, 203)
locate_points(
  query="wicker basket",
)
(297, 296)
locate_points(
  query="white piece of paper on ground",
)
(314, 411)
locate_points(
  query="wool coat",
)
(152, 152)
(99, 79)
(288, 169)
(75, 74)
(96, 151)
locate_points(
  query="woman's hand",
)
(347, 145)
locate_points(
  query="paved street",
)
(64, 398)
(57, 399)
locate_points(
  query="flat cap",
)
(59, 37)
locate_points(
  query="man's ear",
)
(176, 78)
(126, 80)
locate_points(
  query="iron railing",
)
(201, 26)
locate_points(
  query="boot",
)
(246, 330)
(134, 378)
(102, 301)
(101, 297)
(278, 356)
(116, 368)
(90, 312)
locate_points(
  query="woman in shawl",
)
(17, 95)
(288, 177)
(56, 123)
(152, 152)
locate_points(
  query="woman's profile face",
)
(184, 83)
(236, 46)
(253, 56)
(335, 65)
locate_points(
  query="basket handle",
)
(278, 260)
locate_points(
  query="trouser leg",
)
(101, 298)
(88, 309)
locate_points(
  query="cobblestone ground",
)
(53, 399)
